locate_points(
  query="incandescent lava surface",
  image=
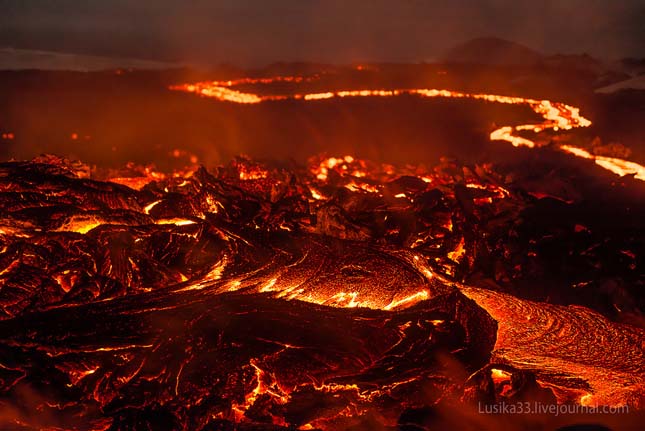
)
(324, 297)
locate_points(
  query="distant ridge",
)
(635, 83)
(23, 59)
(492, 51)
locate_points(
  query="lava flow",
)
(342, 295)
(557, 116)
(568, 347)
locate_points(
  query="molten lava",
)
(557, 116)
(618, 166)
(568, 347)
(341, 295)
(324, 297)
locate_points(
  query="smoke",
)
(256, 32)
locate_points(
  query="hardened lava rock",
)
(264, 297)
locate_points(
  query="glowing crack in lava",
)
(556, 115)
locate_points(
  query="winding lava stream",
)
(581, 355)
(556, 115)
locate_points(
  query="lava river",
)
(556, 115)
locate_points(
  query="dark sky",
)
(255, 32)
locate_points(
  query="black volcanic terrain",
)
(226, 257)
(111, 118)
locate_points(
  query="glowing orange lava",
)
(618, 166)
(556, 115)
(562, 343)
